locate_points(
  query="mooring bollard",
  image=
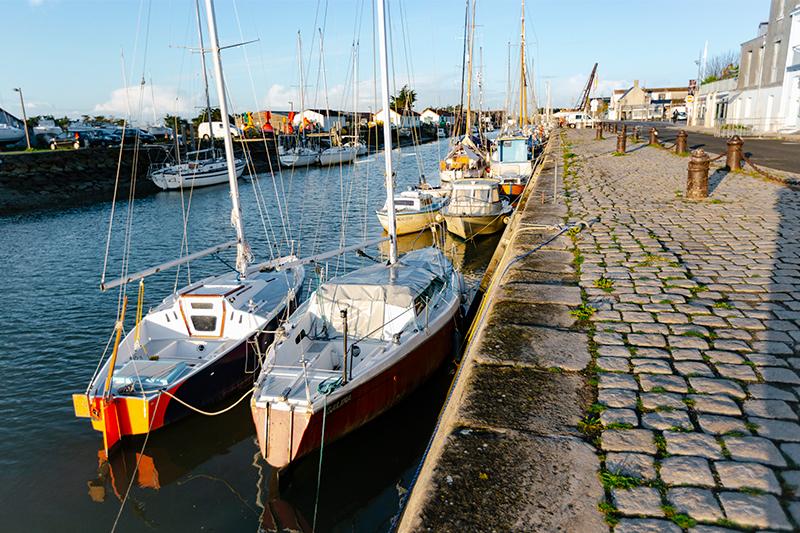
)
(636, 134)
(616, 128)
(621, 140)
(598, 132)
(734, 156)
(680, 142)
(697, 182)
(653, 137)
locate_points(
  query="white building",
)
(409, 119)
(790, 97)
(325, 120)
(757, 106)
(711, 103)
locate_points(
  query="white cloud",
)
(138, 103)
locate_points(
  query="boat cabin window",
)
(204, 323)
(425, 297)
(409, 203)
(514, 150)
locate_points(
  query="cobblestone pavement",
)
(695, 337)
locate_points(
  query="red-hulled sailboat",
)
(361, 342)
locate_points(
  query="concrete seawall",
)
(507, 454)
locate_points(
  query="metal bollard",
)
(622, 137)
(598, 132)
(654, 137)
(680, 142)
(636, 134)
(697, 181)
(616, 128)
(734, 156)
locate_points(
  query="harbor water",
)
(202, 473)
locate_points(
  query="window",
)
(760, 73)
(748, 60)
(773, 73)
(204, 322)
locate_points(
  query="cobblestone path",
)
(695, 336)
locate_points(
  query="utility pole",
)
(24, 117)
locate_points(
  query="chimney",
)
(636, 83)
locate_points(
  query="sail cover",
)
(379, 299)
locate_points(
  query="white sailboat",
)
(361, 342)
(300, 153)
(202, 167)
(202, 343)
(475, 208)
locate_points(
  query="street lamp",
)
(24, 117)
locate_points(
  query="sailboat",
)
(512, 161)
(201, 167)
(362, 341)
(203, 342)
(466, 159)
(415, 210)
(301, 153)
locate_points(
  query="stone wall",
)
(71, 177)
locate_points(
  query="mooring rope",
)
(207, 413)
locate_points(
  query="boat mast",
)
(243, 254)
(387, 132)
(355, 94)
(205, 74)
(469, 75)
(302, 80)
(523, 93)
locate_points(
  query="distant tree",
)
(175, 122)
(62, 122)
(216, 115)
(404, 100)
(722, 67)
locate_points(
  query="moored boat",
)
(415, 210)
(512, 163)
(196, 172)
(475, 208)
(337, 155)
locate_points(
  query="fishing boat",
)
(203, 342)
(512, 163)
(203, 168)
(361, 343)
(415, 210)
(476, 208)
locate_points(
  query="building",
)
(710, 107)
(409, 119)
(639, 103)
(325, 120)
(759, 105)
(790, 97)
(437, 117)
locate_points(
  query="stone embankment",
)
(72, 177)
(672, 403)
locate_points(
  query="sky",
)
(75, 57)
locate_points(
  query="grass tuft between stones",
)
(610, 480)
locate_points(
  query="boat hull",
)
(285, 435)
(409, 222)
(512, 189)
(338, 157)
(467, 227)
(174, 180)
(122, 415)
(293, 160)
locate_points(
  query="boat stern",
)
(280, 430)
(116, 416)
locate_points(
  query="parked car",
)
(130, 136)
(218, 131)
(71, 139)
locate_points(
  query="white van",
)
(216, 126)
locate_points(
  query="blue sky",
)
(67, 54)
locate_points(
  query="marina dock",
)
(639, 374)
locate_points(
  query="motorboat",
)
(202, 168)
(47, 128)
(415, 210)
(10, 134)
(476, 208)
